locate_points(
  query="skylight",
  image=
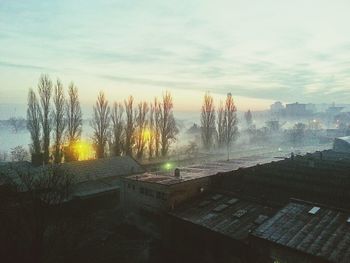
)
(314, 210)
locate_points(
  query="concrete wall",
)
(159, 198)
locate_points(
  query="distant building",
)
(297, 110)
(333, 110)
(342, 144)
(276, 107)
(310, 107)
(305, 232)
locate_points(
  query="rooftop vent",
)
(219, 208)
(232, 201)
(240, 213)
(177, 172)
(216, 197)
(314, 210)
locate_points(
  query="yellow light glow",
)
(146, 134)
(84, 150)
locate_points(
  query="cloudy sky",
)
(259, 50)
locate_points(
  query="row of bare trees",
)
(147, 129)
(218, 128)
(49, 113)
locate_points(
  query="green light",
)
(168, 166)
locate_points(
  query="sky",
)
(259, 50)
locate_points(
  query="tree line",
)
(218, 127)
(50, 113)
(142, 130)
(55, 120)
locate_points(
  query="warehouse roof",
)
(225, 214)
(313, 229)
(196, 171)
(102, 168)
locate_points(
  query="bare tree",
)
(157, 127)
(100, 123)
(19, 154)
(28, 211)
(297, 133)
(45, 90)
(220, 125)
(140, 131)
(151, 127)
(74, 122)
(248, 118)
(59, 120)
(33, 122)
(230, 123)
(117, 129)
(16, 123)
(130, 126)
(167, 123)
(208, 121)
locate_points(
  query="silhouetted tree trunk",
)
(45, 91)
(100, 123)
(59, 120)
(248, 118)
(208, 121)
(33, 122)
(157, 127)
(117, 129)
(151, 127)
(220, 126)
(74, 122)
(141, 124)
(230, 123)
(130, 126)
(168, 124)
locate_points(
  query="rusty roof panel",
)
(217, 215)
(325, 234)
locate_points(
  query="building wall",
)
(156, 197)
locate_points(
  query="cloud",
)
(282, 51)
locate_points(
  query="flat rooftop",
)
(310, 228)
(197, 171)
(225, 214)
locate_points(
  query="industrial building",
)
(158, 192)
(305, 232)
(216, 228)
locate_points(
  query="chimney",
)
(177, 172)
(37, 159)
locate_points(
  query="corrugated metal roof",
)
(325, 234)
(102, 168)
(219, 215)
